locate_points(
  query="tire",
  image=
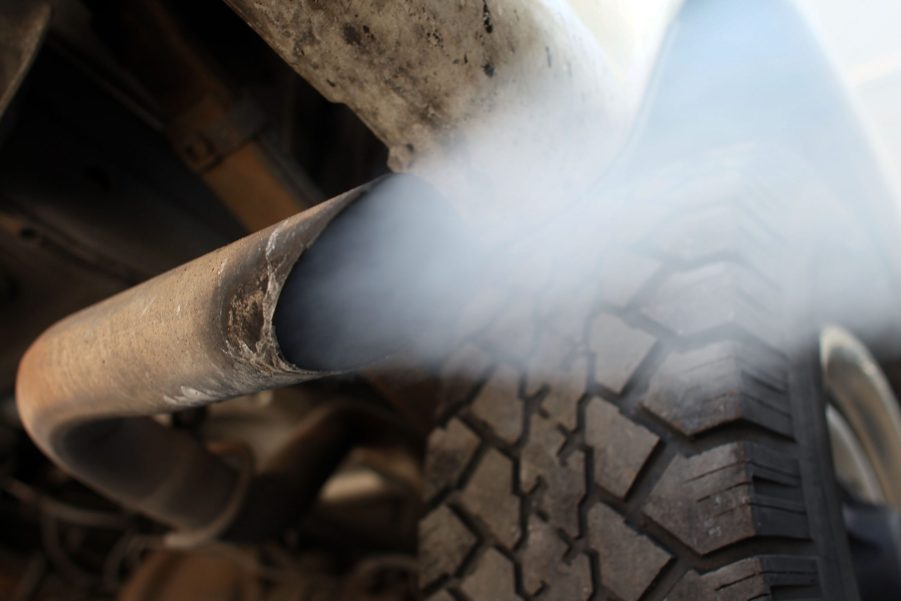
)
(659, 439)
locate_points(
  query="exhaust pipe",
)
(269, 310)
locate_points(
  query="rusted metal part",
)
(23, 25)
(457, 90)
(414, 71)
(194, 335)
(251, 183)
(215, 129)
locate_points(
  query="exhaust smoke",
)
(745, 140)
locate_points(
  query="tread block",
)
(693, 184)
(445, 543)
(562, 481)
(544, 568)
(450, 449)
(550, 354)
(716, 295)
(489, 496)
(559, 366)
(621, 447)
(566, 388)
(492, 579)
(618, 350)
(629, 561)
(498, 404)
(732, 493)
(719, 384)
(714, 231)
(751, 579)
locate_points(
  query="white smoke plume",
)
(745, 156)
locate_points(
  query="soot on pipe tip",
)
(391, 268)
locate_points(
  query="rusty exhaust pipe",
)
(269, 310)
